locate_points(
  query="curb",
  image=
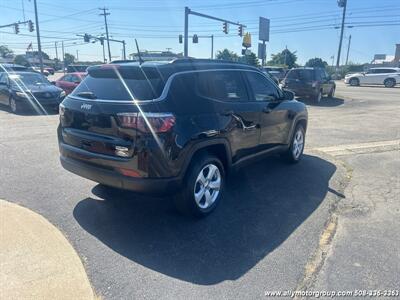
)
(36, 260)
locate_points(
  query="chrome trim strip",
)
(167, 86)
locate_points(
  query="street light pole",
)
(341, 3)
(212, 46)
(186, 33)
(348, 50)
(38, 38)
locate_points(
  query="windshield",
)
(29, 79)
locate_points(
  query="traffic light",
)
(16, 28)
(195, 39)
(240, 30)
(180, 39)
(86, 38)
(225, 27)
(101, 41)
(341, 3)
(30, 26)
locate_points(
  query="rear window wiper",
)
(88, 95)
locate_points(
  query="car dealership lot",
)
(264, 235)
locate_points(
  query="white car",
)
(389, 77)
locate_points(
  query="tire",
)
(318, 97)
(198, 197)
(332, 92)
(295, 152)
(15, 106)
(354, 82)
(389, 82)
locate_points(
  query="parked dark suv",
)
(176, 127)
(309, 82)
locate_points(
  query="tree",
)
(69, 59)
(316, 63)
(5, 51)
(45, 55)
(286, 57)
(227, 55)
(250, 59)
(21, 60)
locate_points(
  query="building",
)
(384, 60)
(155, 55)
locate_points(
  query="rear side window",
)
(134, 83)
(222, 85)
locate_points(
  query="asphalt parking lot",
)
(330, 222)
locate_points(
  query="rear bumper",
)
(109, 177)
(303, 91)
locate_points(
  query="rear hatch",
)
(299, 80)
(105, 112)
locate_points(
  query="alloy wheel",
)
(207, 186)
(298, 144)
(13, 105)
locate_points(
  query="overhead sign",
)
(263, 29)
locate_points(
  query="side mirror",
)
(288, 95)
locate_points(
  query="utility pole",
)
(348, 50)
(55, 46)
(105, 14)
(104, 53)
(77, 55)
(341, 3)
(38, 38)
(63, 56)
(212, 46)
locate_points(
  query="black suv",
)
(176, 127)
(309, 82)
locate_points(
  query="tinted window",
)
(3, 78)
(224, 86)
(66, 78)
(75, 78)
(306, 75)
(106, 84)
(263, 89)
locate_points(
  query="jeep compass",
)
(176, 127)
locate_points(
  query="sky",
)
(304, 26)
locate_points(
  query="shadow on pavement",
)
(28, 112)
(264, 204)
(325, 102)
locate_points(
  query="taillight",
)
(159, 122)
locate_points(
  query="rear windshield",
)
(301, 74)
(132, 85)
